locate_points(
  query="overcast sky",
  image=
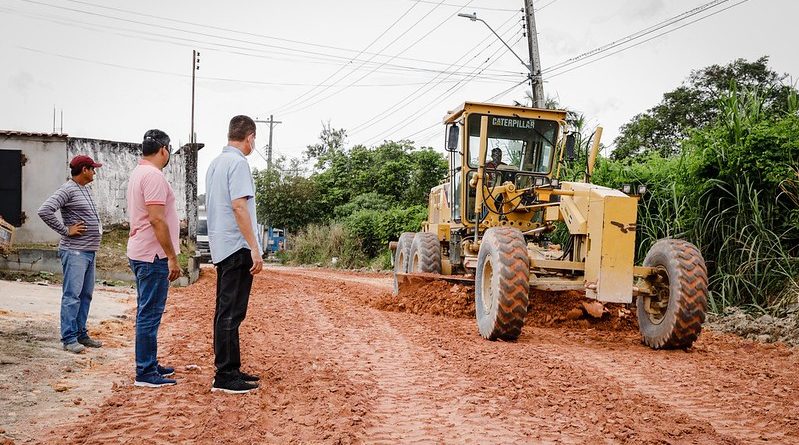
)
(382, 69)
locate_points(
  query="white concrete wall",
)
(44, 172)
(110, 185)
(47, 169)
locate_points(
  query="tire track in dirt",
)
(755, 403)
(597, 402)
(568, 405)
(413, 402)
(336, 370)
(570, 402)
(299, 401)
(371, 280)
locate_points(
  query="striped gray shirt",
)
(76, 204)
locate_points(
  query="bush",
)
(373, 229)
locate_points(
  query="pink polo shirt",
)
(147, 186)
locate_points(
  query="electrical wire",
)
(639, 34)
(212, 79)
(416, 42)
(649, 39)
(636, 35)
(342, 67)
(409, 99)
(484, 8)
(251, 34)
(230, 48)
(73, 23)
(440, 98)
(439, 123)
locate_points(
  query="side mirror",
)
(452, 138)
(570, 141)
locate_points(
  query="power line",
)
(437, 124)
(407, 100)
(440, 98)
(303, 107)
(649, 39)
(216, 79)
(313, 55)
(463, 6)
(251, 34)
(200, 45)
(634, 36)
(296, 99)
(484, 8)
(646, 31)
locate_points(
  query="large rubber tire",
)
(402, 257)
(502, 284)
(683, 281)
(425, 253)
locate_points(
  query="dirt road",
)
(337, 369)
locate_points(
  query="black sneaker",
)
(165, 371)
(236, 386)
(248, 377)
(90, 342)
(153, 381)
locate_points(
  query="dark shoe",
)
(236, 386)
(155, 381)
(248, 377)
(165, 371)
(89, 343)
(75, 347)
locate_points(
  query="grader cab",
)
(491, 223)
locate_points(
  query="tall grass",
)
(319, 243)
(745, 224)
(734, 192)
(750, 263)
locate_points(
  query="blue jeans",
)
(152, 285)
(78, 268)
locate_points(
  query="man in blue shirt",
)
(230, 204)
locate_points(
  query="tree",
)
(695, 105)
(331, 142)
(395, 170)
(285, 198)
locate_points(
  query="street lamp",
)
(473, 17)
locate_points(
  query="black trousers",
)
(233, 284)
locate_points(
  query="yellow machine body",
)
(601, 221)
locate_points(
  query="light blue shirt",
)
(228, 178)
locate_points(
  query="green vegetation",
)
(719, 156)
(355, 201)
(728, 184)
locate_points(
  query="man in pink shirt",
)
(152, 251)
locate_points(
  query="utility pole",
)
(195, 66)
(190, 155)
(272, 122)
(536, 81)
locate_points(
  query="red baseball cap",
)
(83, 160)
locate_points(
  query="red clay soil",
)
(337, 370)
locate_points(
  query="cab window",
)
(514, 143)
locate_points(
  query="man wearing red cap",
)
(81, 231)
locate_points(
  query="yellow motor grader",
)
(491, 221)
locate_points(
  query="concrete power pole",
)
(190, 153)
(272, 122)
(535, 59)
